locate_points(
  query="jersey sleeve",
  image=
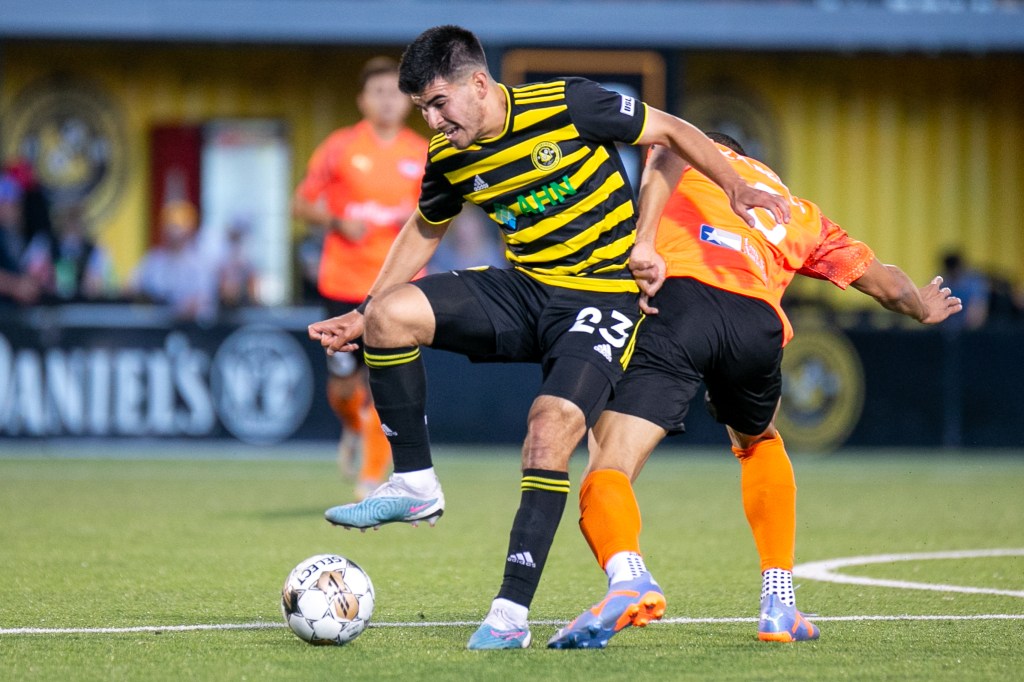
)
(604, 115)
(838, 257)
(319, 173)
(438, 200)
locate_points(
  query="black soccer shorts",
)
(502, 315)
(732, 343)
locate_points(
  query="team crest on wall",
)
(822, 389)
(72, 133)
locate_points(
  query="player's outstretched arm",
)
(895, 291)
(700, 152)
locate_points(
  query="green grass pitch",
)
(167, 537)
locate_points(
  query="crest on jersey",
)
(545, 156)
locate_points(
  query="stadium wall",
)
(132, 372)
(914, 154)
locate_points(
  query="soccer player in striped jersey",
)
(717, 318)
(541, 161)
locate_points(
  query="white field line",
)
(816, 570)
(828, 570)
(263, 625)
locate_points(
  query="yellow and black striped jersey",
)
(553, 180)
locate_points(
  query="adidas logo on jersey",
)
(479, 184)
(522, 558)
(605, 350)
(388, 431)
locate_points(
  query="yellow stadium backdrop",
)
(913, 154)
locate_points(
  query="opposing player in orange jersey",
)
(712, 287)
(362, 184)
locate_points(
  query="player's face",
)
(382, 103)
(455, 109)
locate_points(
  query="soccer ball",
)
(327, 599)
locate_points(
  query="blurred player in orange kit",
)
(361, 184)
(712, 288)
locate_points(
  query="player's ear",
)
(481, 83)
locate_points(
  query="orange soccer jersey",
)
(701, 237)
(361, 177)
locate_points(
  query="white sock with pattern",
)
(624, 566)
(780, 582)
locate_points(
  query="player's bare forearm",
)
(700, 152)
(409, 254)
(895, 291)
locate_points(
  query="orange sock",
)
(349, 409)
(769, 500)
(376, 449)
(609, 515)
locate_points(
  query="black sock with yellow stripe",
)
(544, 494)
(399, 385)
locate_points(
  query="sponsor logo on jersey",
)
(479, 184)
(545, 156)
(628, 106)
(713, 235)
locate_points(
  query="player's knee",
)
(400, 317)
(744, 444)
(554, 428)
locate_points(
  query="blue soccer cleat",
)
(781, 623)
(488, 637)
(392, 502)
(630, 602)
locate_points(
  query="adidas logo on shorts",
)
(605, 350)
(388, 431)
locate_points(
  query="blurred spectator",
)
(971, 287)
(236, 274)
(1005, 300)
(174, 272)
(37, 259)
(83, 270)
(16, 286)
(308, 252)
(471, 241)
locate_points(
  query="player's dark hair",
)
(446, 52)
(728, 141)
(376, 67)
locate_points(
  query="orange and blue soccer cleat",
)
(781, 623)
(630, 602)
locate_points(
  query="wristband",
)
(361, 308)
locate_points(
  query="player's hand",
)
(648, 268)
(939, 302)
(351, 229)
(337, 333)
(747, 197)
